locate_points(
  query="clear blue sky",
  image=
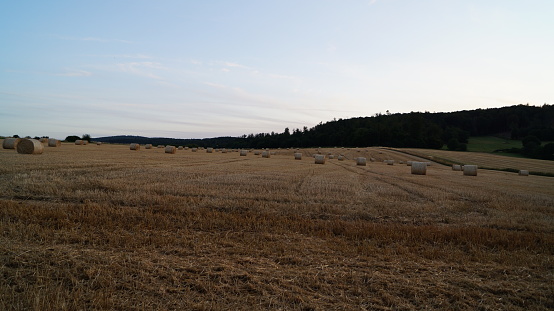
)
(195, 69)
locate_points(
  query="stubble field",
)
(106, 228)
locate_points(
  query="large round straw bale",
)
(331, 157)
(148, 146)
(523, 173)
(194, 149)
(266, 154)
(243, 153)
(470, 170)
(134, 146)
(180, 148)
(10, 143)
(361, 161)
(298, 156)
(186, 148)
(54, 142)
(210, 150)
(44, 140)
(79, 142)
(456, 167)
(419, 168)
(341, 158)
(170, 149)
(29, 146)
(161, 146)
(85, 142)
(223, 150)
(319, 159)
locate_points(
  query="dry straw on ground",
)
(419, 168)
(170, 149)
(30, 146)
(470, 170)
(54, 142)
(10, 143)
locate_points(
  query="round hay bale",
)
(210, 150)
(331, 157)
(85, 142)
(54, 143)
(319, 159)
(98, 143)
(79, 142)
(161, 146)
(298, 156)
(372, 159)
(180, 148)
(470, 170)
(243, 153)
(523, 173)
(186, 148)
(456, 167)
(419, 168)
(341, 158)
(361, 161)
(29, 146)
(44, 140)
(223, 150)
(389, 162)
(10, 143)
(148, 146)
(266, 154)
(134, 146)
(257, 152)
(170, 149)
(194, 149)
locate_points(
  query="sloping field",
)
(106, 228)
(486, 160)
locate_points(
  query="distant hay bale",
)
(372, 159)
(389, 162)
(54, 142)
(361, 161)
(186, 148)
(456, 167)
(257, 152)
(98, 143)
(298, 156)
(223, 150)
(331, 157)
(180, 148)
(148, 146)
(419, 168)
(85, 142)
(266, 154)
(523, 173)
(319, 159)
(210, 150)
(170, 149)
(194, 149)
(29, 146)
(134, 146)
(340, 158)
(400, 162)
(243, 153)
(79, 142)
(161, 146)
(470, 170)
(272, 152)
(44, 140)
(10, 143)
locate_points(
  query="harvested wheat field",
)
(102, 227)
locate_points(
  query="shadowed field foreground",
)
(102, 227)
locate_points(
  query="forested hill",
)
(414, 129)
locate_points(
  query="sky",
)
(200, 69)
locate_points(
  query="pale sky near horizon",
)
(199, 69)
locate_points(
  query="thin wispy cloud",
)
(143, 69)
